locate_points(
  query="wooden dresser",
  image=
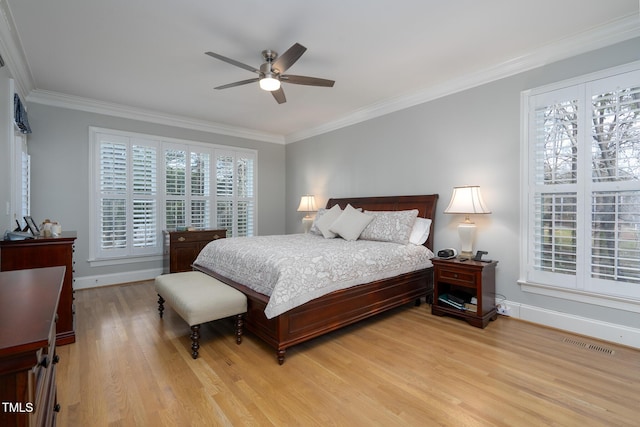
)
(181, 248)
(28, 304)
(46, 252)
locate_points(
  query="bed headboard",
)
(426, 205)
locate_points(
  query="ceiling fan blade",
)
(304, 80)
(240, 83)
(287, 59)
(233, 62)
(279, 96)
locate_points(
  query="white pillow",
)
(390, 226)
(350, 223)
(314, 227)
(326, 220)
(420, 231)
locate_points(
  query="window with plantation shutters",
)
(144, 184)
(582, 152)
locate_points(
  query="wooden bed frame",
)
(346, 306)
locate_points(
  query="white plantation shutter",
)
(245, 185)
(113, 196)
(144, 185)
(200, 168)
(23, 178)
(584, 186)
(175, 169)
(224, 192)
(615, 182)
(235, 193)
(144, 192)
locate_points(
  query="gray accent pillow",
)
(390, 226)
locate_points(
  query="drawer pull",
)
(56, 359)
(455, 275)
(216, 237)
(57, 407)
(181, 239)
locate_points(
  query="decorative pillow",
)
(390, 226)
(325, 221)
(350, 223)
(420, 231)
(314, 227)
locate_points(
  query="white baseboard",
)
(611, 332)
(87, 282)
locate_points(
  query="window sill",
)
(581, 296)
(101, 262)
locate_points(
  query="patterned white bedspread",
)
(295, 268)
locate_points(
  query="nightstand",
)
(181, 248)
(456, 280)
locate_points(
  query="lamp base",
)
(465, 255)
(307, 222)
(467, 232)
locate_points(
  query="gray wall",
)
(471, 137)
(59, 149)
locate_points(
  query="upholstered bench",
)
(199, 298)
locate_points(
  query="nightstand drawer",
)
(458, 277)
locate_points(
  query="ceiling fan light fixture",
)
(269, 83)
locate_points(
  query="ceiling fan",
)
(271, 72)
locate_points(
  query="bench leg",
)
(160, 305)
(239, 327)
(195, 340)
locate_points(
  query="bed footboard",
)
(332, 311)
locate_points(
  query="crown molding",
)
(12, 52)
(56, 99)
(608, 34)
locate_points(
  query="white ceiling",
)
(148, 55)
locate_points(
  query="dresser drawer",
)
(196, 236)
(457, 277)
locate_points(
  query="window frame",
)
(97, 257)
(583, 287)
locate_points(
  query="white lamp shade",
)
(467, 200)
(307, 204)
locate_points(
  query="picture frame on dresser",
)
(32, 225)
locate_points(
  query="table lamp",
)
(467, 200)
(307, 204)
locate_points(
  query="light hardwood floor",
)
(407, 367)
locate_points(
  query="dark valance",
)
(20, 115)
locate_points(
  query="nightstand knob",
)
(455, 275)
(181, 239)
